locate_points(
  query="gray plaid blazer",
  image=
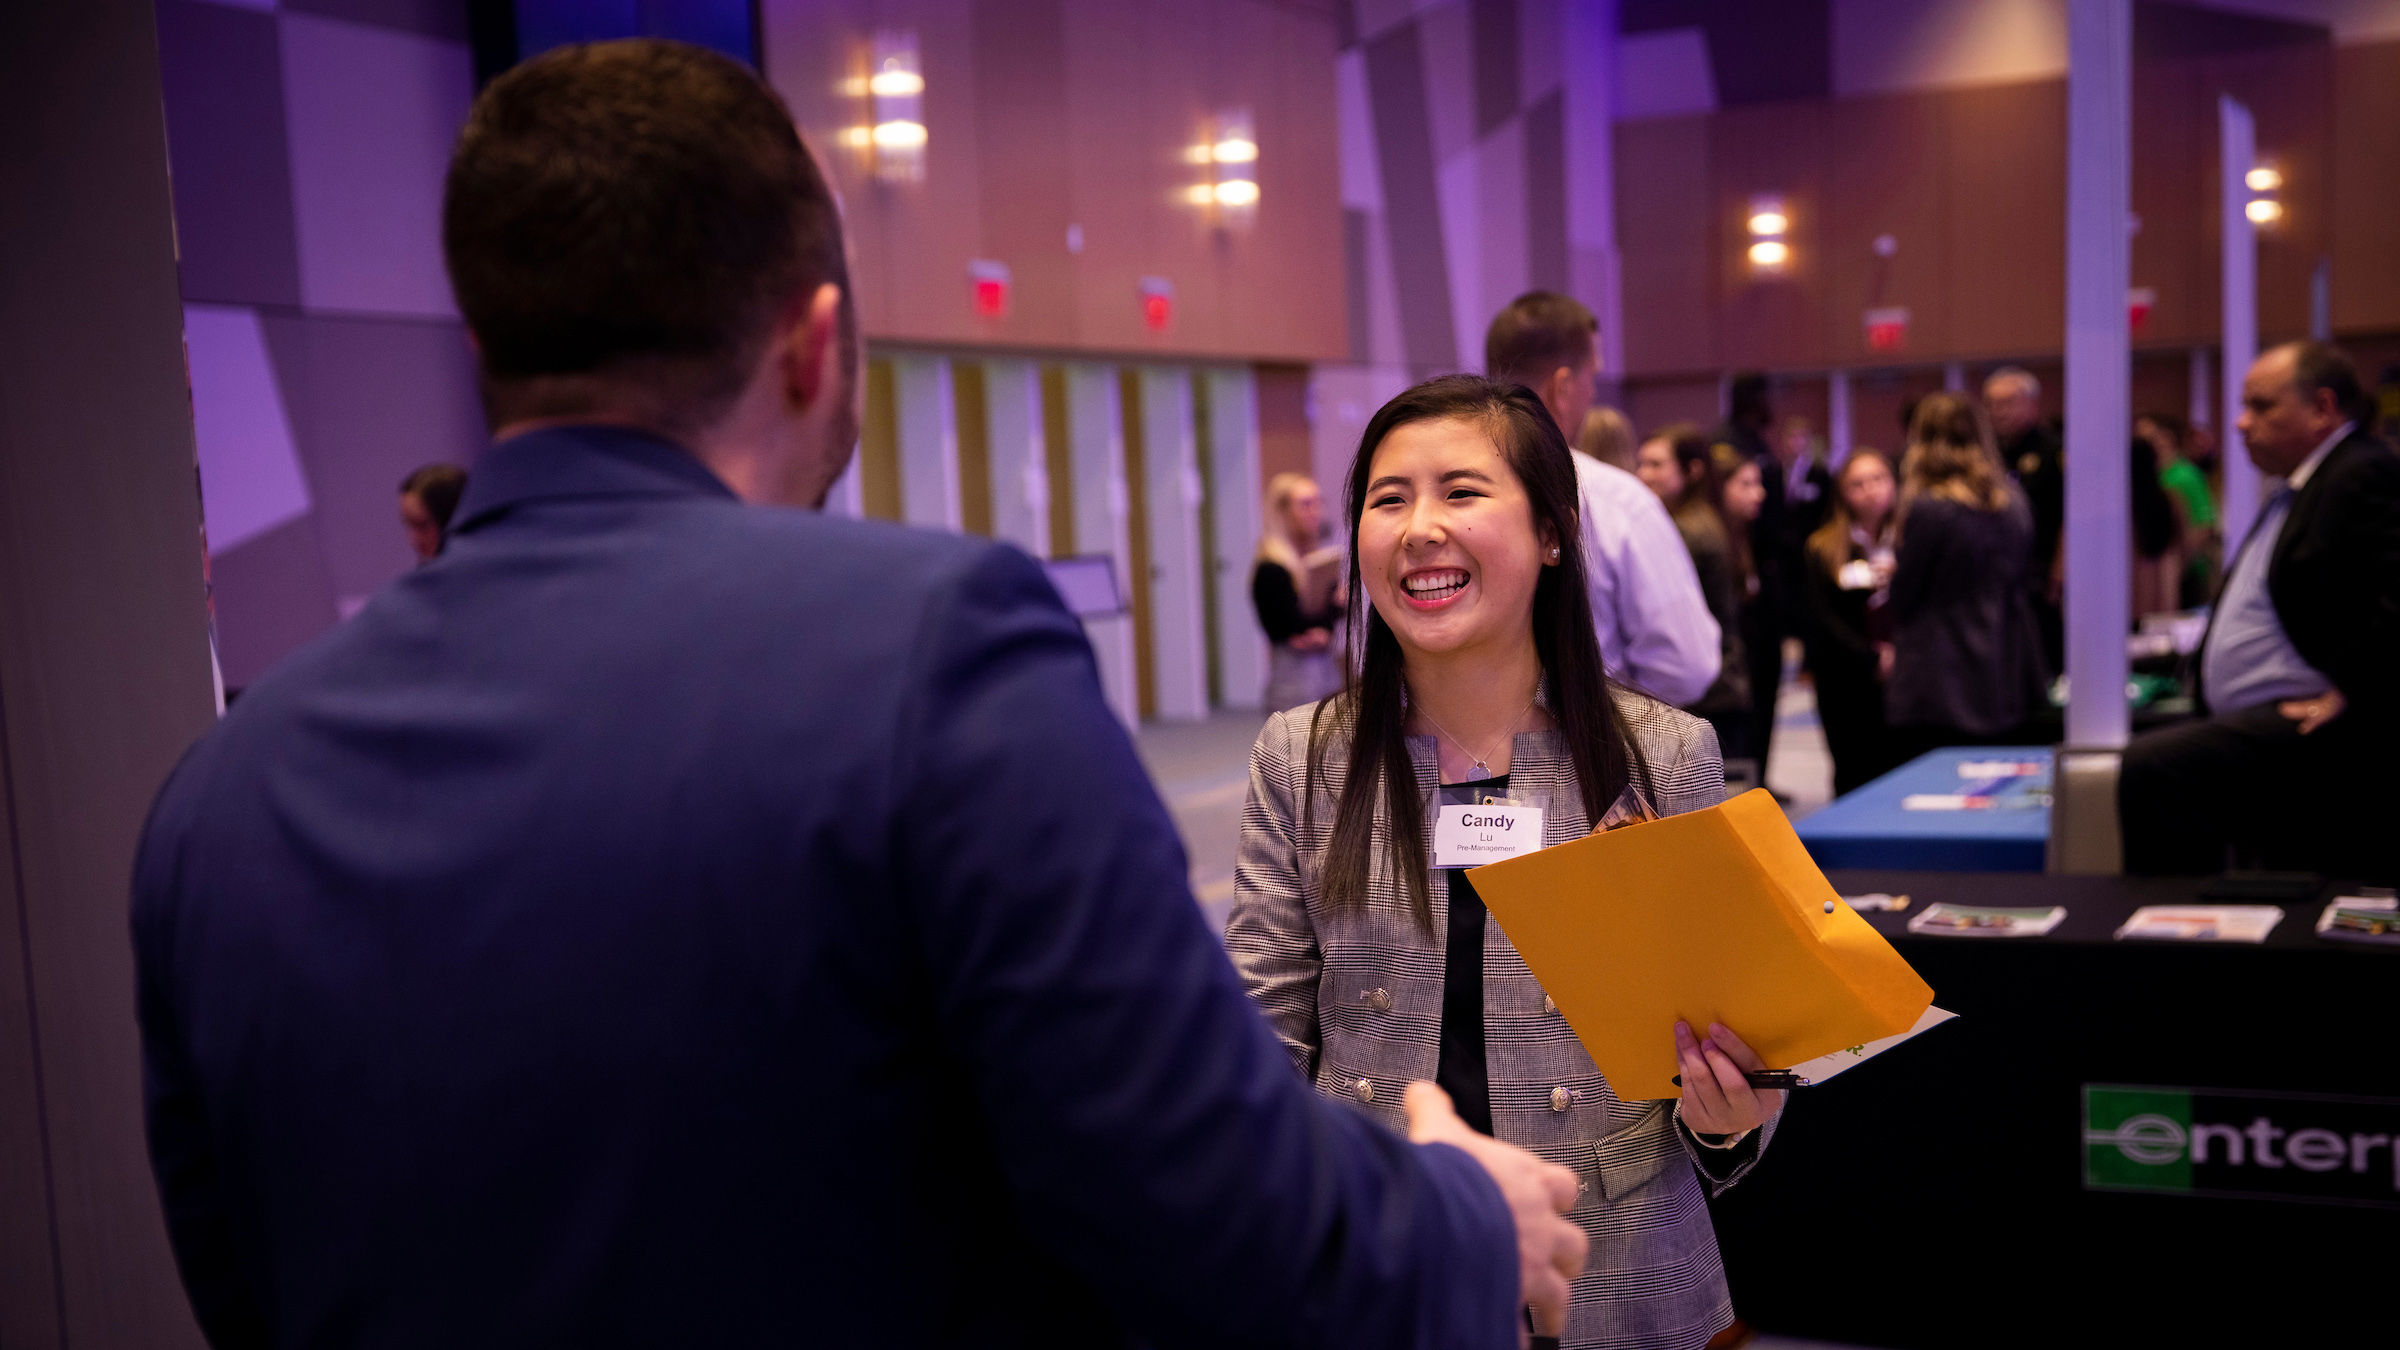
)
(1356, 997)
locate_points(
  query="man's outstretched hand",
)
(1550, 1249)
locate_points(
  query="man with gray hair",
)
(2299, 670)
(2030, 447)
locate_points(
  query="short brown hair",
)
(439, 486)
(636, 211)
(1538, 333)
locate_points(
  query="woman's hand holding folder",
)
(1717, 1096)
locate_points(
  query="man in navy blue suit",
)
(669, 917)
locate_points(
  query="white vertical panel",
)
(927, 426)
(1954, 377)
(1172, 495)
(2202, 411)
(1234, 487)
(2237, 140)
(2099, 367)
(1096, 447)
(1012, 409)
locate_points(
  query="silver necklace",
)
(1480, 765)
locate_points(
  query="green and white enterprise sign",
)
(2255, 1145)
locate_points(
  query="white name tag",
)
(1470, 836)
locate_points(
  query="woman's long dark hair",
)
(1373, 707)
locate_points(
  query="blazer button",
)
(1549, 1004)
(1364, 1089)
(1561, 1099)
(1380, 1000)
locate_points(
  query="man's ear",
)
(812, 359)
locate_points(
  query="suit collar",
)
(2308, 467)
(558, 463)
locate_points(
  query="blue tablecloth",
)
(1872, 828)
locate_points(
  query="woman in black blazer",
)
(1845, 580)
(1967, 663)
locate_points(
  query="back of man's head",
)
(623, 222)
(1540, 333)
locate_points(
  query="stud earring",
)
(1554, 555)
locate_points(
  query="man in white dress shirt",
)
(1656, 633)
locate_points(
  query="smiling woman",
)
(1480, 683)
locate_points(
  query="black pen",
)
(1764, 1078)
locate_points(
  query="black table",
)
(1936, 1196)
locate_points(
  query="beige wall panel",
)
(1129, 122)
(1884, 170)
(929, 229)
(809, 49)
(1666, 235)
(1652, 405)
(1283, 278)
(1803, 396)
(2162, 382)
(2007, 218)
(1025, 176)
(2366, 188)
(1284, 435)
(1876, 398)
(2174, 191)
(2290, 91)
(1770, 320)
(1043, 114)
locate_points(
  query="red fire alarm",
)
(1158, 302)
(991, 287)
(1887, 329)
(2138, 303)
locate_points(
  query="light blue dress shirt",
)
(2249, 660)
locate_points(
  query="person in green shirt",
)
(2187, 487)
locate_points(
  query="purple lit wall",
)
(307, 140)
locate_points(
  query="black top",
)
(1461, 1070)
(1845, 623)
(2335, 576)
(1722, 585)
(1967, 655)
(2034, 458)
(1278, 602)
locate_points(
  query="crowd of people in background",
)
(1923, 586)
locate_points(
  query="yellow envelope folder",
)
(1714, 916)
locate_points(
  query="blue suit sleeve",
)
(1148, 1125)
(182, 1158)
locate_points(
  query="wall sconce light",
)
(1228, 155)
(2263, 207)
(1769, 222)
(892, 140)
